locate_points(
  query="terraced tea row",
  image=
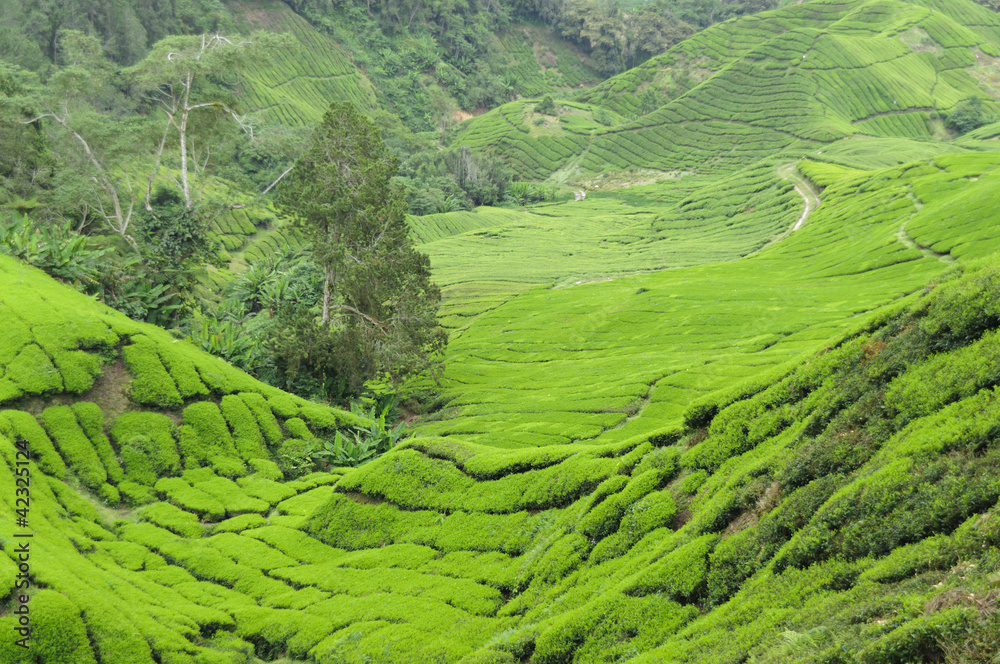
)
(805, 76)
(607, 360)
(295, 85)
(480, 258)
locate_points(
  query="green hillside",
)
(296, 86)
(405, 76)
(729, 398)
(165, 530)
(794, 79)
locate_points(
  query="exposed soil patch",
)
(364, 498)
(682, 517)
(765, 503)
(409, 416)
(110, 390)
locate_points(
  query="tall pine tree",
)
(379, 306)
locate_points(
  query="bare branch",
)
(280, 177)
(156, 168)
(378, 324)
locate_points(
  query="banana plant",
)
(362, 444)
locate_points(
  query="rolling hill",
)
(690, 417)
(791, 80)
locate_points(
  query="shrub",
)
(152, 385)
(205, 438)
(25, 428)
(247, 437)
(76, 449)
(298, 429)
(231, 496)
(191, 499)
(546, 106)
(238, 524)
(173, 519)
(32, 371)
(603, 519)
(937, 552)
(57, 250)
(920, 640)
(265, 469)
(91, 419)
(266, 489)
(265, 417)
(146, 446)
(961, 309)
(680, 575)
(295, 457)
(183, 371)
(967, 115)
(109, 495)
(134, 494)
(58, 631)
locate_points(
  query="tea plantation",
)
(796, 78)
(680, 421)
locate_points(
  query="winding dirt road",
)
(808, 194)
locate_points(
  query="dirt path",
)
(808, 194)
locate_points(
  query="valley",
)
(724, 391)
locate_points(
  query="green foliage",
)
(440, 181)
(58, 631)
(205, 439)
(24, 427)
(265, 417)
(175, 236)
(247, 437)
(191, 500)
(835, 499)
(362, 444)
(605, 517)
(546, 106)
(74, 446)
(152, 385)
(681, 576)
(32, 371)
(296, 457)
(55, 249)
(173, 519)
(91, 419)
(919, 638)
(377, 297)
(969, 114)
(134, 494)
(147, 446)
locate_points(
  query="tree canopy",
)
(379, 306)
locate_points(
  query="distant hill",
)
(794, 80)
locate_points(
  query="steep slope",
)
(329, 62)
(128, 444)
(672, 429)
(162, 527)
(840, 505)
(295, 86)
